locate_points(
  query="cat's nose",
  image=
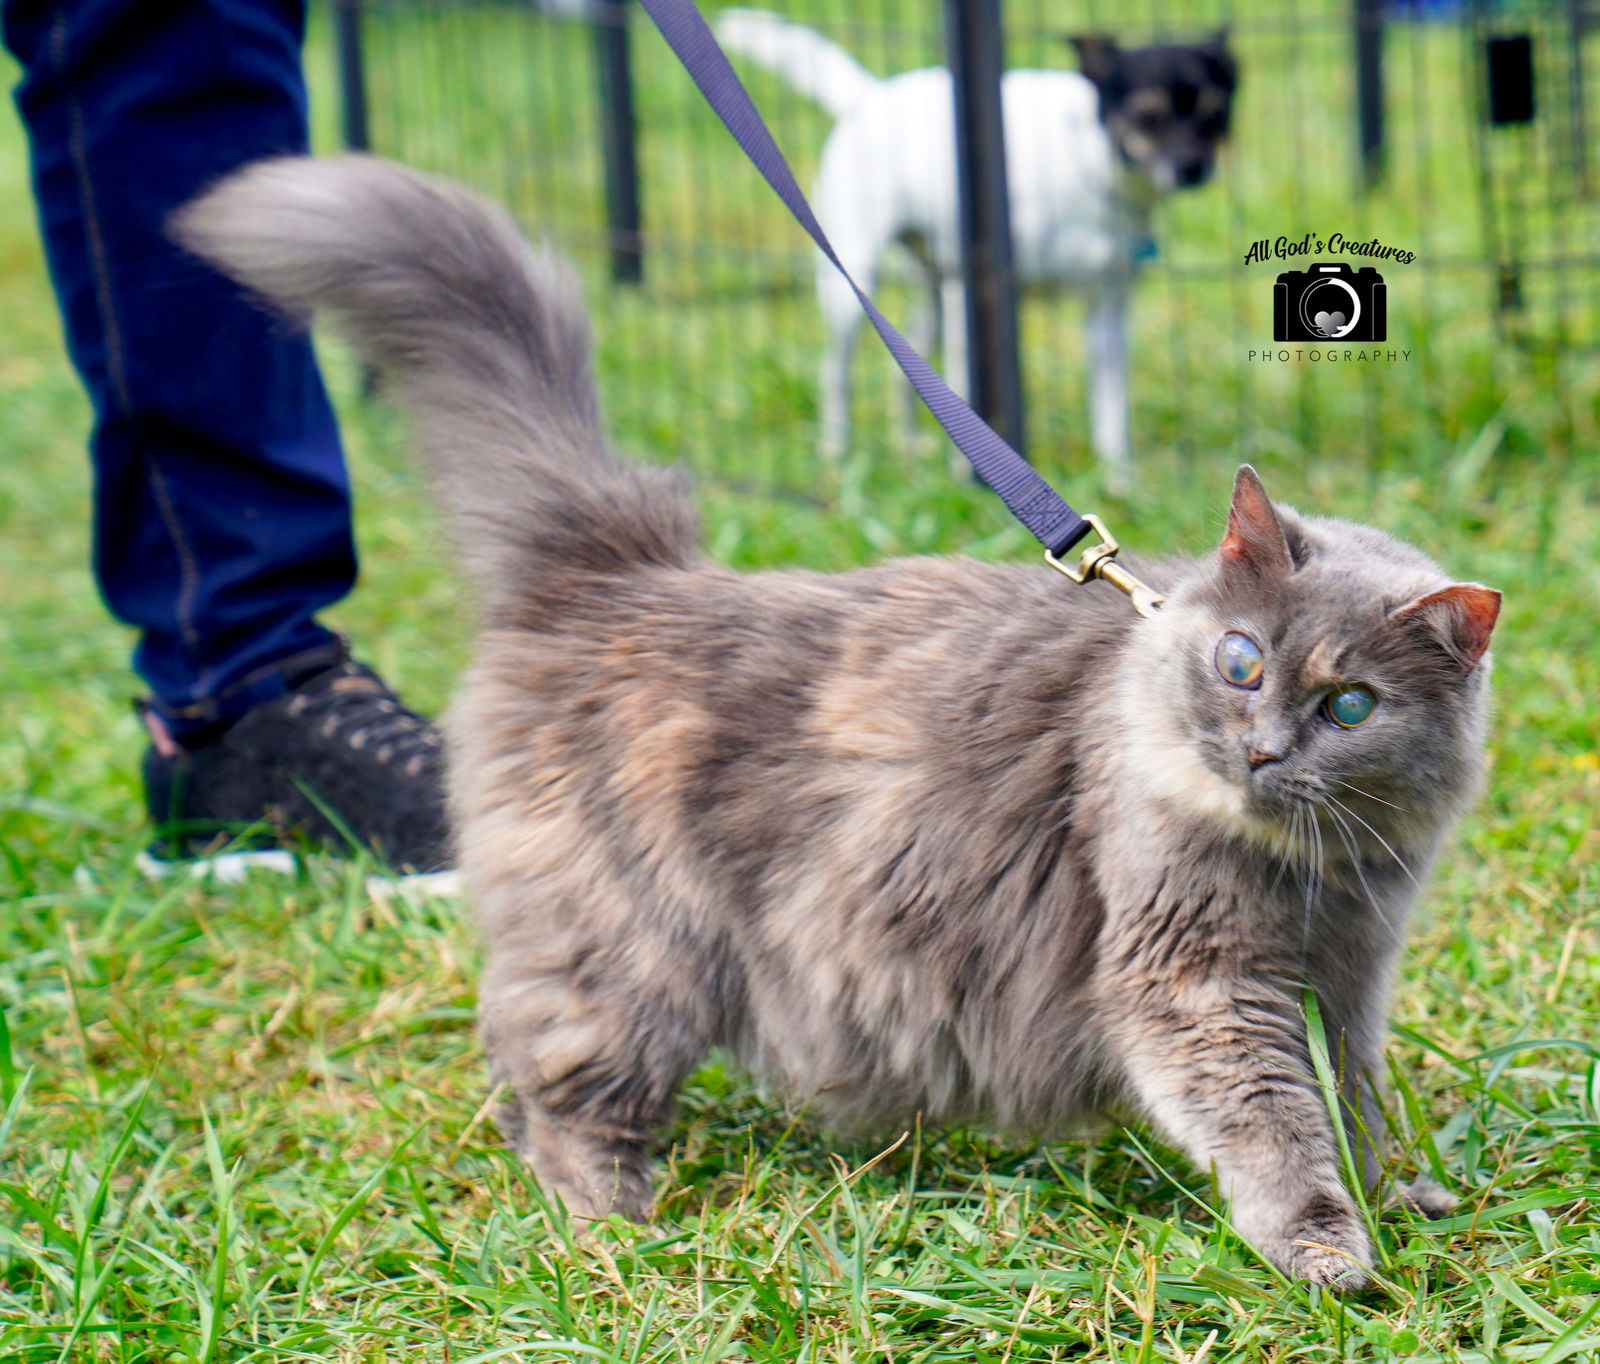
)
(1258, 756)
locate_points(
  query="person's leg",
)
(222, 506)
(222, 521)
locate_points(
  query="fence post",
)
(618, 140)
(1578, 23)
(1368, 17)
(352, 74)
(974, 42)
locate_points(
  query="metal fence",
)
(1463, 135)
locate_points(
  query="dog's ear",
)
(1216, 47)
(1097, 55)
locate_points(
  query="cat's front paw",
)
(1427, 1198)
(1326, 1243)
(1340, 1267)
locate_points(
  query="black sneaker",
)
(337, 763)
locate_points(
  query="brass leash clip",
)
(1100, 561)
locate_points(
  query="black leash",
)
(1032, 501)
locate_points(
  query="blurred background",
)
(1465, 133)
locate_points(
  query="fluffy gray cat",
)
(936, 837)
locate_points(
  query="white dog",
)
(1087, 156)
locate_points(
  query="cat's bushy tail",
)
(483, 340)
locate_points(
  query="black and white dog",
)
(1088, 155)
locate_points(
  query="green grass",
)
(249, 1123)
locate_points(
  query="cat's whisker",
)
(1287, 854)
(1313, 871)
(1347, 835)
(1349, 786)
(1061, 824)
(1399, 861)
(1308, 832)
(1304, 820)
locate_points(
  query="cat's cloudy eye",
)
(1348, 707)
(1239, 660)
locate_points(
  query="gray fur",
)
(934, 837)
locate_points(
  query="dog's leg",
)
(924, 329)
(1108, 383)
(841, 324)
(925, 338)
(953, 325)
(590, 1042)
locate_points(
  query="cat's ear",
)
(1462, 616)
(1255, 538)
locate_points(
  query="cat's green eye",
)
(1348, 707)
(1239, 660)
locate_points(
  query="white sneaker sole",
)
(231, 868)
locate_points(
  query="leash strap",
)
(1032, 501)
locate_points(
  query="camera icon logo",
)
(1330, 303)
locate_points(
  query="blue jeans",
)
(222, 505)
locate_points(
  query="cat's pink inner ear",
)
(1464, 613)
(1255, 536)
